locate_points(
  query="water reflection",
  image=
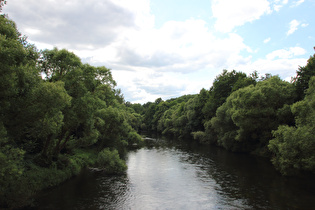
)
(161, 180)
(181, 175)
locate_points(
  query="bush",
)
(200, 136)
(18, 185)
(293, 149)
(134, 138)
(110, 162)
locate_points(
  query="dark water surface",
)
(168, 174)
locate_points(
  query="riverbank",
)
(36, 178)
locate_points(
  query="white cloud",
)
(304, 25)
(186, 55)
(267, 40)
(297, 3)
(231, 13)
(293, 27)
(144, 86)
(141, 10)
(32, 31)
(277, 4)
(284, 54)
(179, 46)
(283, 62)
(285, 68)
(72, 24)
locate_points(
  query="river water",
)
(171, 174)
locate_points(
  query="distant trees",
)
(244, 113)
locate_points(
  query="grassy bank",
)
(18, 192)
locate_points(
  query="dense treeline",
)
(244, 113)
(57, 115)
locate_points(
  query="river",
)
(171, 174)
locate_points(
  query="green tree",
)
(18, 76)
(111, 162)
(57, 63)
(50, 128)
(293, 146)
(91, 89)
(193, 111)
(303, 77)
(249, 115)
(223, 85)
(17, 72)
(45, 115)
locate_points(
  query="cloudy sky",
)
(168, 48)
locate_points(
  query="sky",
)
(170, 48)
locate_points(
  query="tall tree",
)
(223, 85)
(303, 77)
(57, 63)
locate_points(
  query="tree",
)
(293, 146)
(55, 64)
(303, 77)
(18, 77)
(194, 108)
(45, 114)
(91, 89)
(111, 162)
(245, 121)
(223, 85)
(50, 128)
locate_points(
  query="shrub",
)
(110, 161)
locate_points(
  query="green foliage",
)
(110, 161)
(57, 63)
(45, 123)
(187, 115)
(223, 86)
(11, 169)
(245, 121)
(18, 189)
(303, 77)
(293, 147)
(200, 136)
(110, 122)
(134, 138)
(17, 70)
